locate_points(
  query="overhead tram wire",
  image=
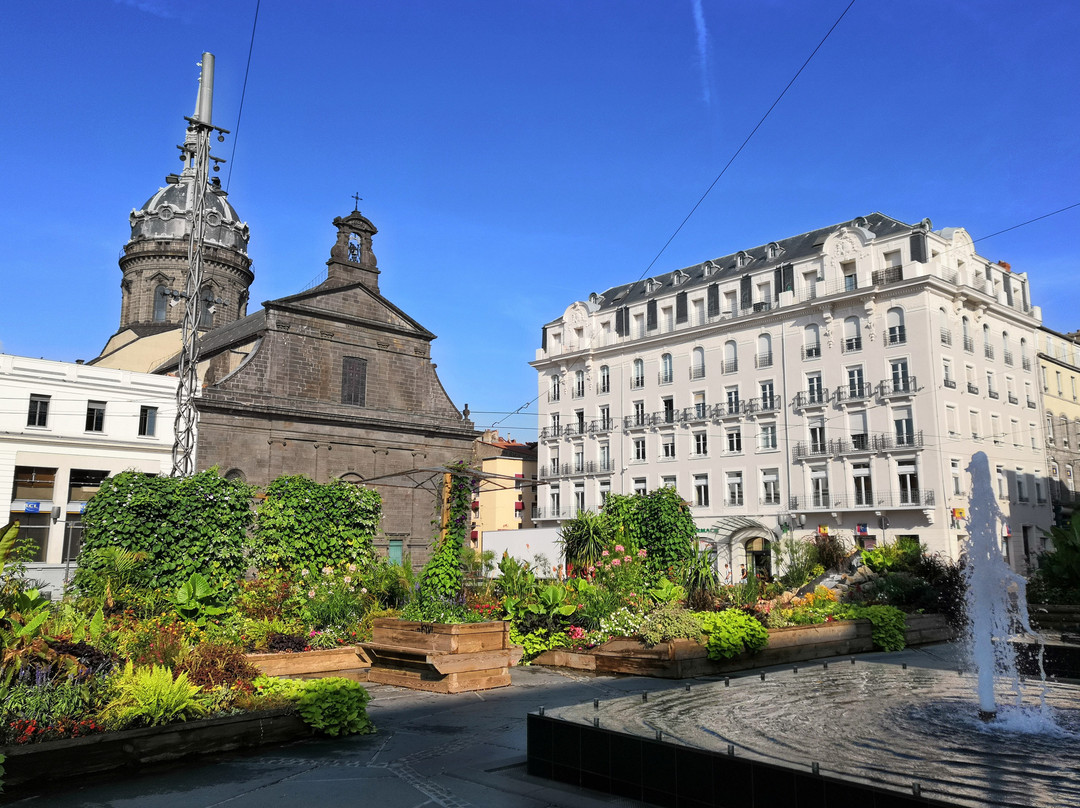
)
(243, 92)
(746, 141)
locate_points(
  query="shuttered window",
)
(680, 307)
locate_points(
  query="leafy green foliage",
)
(183, 525)
(1058, 577)
(660, 522)
(305, 524)
(798, 559)
(443, 576)
(515, 579)
(197, 601)
(669, 622)
(334, 599)
(150, 696)
(583, 539)
(534, 643)
(888, 622)
(332, 705)
(732, 632)
(667, 592)
(699, 576)
(902, 555)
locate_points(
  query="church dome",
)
(166, 215)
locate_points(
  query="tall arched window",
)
(852, 335)
(965, 329)
(1024, 354)
(894, 322)
(161, 304)
(697, 364)
(206, 315)
(1006, 354)
(667, 370)
(731, 357)
(944, 327)
(811, 341)
(764, 351)
(605, 379)
(637, 379)
(988, 348)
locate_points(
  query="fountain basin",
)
(878, 734)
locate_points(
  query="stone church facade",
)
(333, 382)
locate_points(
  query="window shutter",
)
(543, 339)
(918, 247)
(650, 315)
(680, 307)
(746, 295)
(713, 296)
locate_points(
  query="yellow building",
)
(505, 500)
(1059, 369)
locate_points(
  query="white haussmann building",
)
(64, 428)
(839, 380)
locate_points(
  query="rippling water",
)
(879, 723)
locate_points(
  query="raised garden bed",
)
(441, 657)
(72, 757)
(348, 662)
(681, 659)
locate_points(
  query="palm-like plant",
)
(700, 577)
(583, 539)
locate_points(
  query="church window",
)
(354, 381)
(161, 304)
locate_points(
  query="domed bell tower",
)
(155, 260)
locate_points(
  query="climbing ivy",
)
(659, 521)
(183, 525)
(303, 524)
(443, 577)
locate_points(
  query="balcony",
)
(697, 372)
(897, 335)
(886, 276)
(811, 351)
(973, 388)
(603, 466)
(572, 430)
(698, 412)
(888, 441)
(899, 386)
(732, 409)
(601, 425)
(637, 383)
(1026, 363)
(858, 444)
(604, 387)
(764, 305)
(665, 378)
(666, 417)
(969, 344)
(550, 432)
(1031, 404)
(770, 500)
(857, 391)
(817, 502)
(1008, 356)
(950, 383)
(818, 448)
(769, 403)
(811, 398)
(763, 360)
(553, 396)
(638, 420)
(852, 344)
(1013, 399)
(993, 394)
(729, 366)
(540, 514)
(988, 351)
(877, 500)
(946, 336)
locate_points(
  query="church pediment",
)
(356, 304)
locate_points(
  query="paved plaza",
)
(431, 750)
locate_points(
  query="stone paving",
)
(452, 751)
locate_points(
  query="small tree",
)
(583, 539)
(443, 577)
(1058, 576)
(660, 522)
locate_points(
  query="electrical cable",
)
(243, 92)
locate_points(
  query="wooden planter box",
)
(441, 657)
(681, 659)
(114, 750)
(348, 662)
(1054, 617)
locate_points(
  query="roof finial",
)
(359, 199)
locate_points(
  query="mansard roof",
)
(744, 262)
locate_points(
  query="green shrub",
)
(335, 706)
(150, 696)
(667, 622)
(443, 577)
(1058, 577)
(182, 525)
(583, 539)
(536, 642)
(798, 559)
(732, 632)
(888, 625)
(660, 522)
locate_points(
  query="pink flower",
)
(363, 590)
(347, 579)
(352, 568)
(327, 571)
(592, 569)
(304, 573)
(311, 593)
(641, 553)
(615, 562)
(619, 548)
(628, 559)
(605, 554)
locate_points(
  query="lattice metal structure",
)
(196, 153)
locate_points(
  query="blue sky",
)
(518, 155)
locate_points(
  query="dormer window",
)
(679, 277)
(651, 285)
(742, 259)
(708, 268)
(774, 251)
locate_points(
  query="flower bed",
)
(679, 659)
(72, 757)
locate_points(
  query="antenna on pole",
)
(196, 151)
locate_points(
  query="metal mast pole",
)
(196, 151)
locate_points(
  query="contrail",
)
(703, 48)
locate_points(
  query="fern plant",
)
(150, 696)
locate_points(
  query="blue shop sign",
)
(33, 507)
